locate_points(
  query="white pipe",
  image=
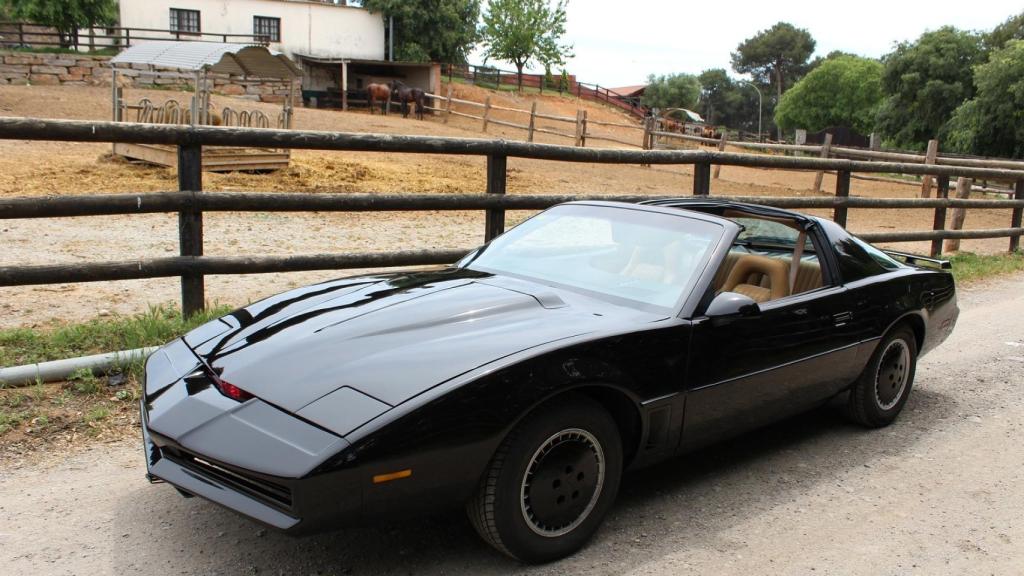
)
(57, 370)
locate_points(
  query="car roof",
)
(657, 208)
(699, 204)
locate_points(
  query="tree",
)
(842, 91)
(431, 31)
(525, 31)
(992, 123)
(672, 91)
(67, 16)
(776, 57)
(924, 82)
(1011, 29)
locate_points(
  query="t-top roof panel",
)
(240, 59)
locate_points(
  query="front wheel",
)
(551, 482)
(882, 389)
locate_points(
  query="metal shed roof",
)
(241, 59)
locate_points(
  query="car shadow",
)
(686, 502)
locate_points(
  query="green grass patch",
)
(156, 326)
(969, 267)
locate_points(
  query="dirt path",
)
(939, 492)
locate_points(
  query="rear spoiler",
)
(915, 260)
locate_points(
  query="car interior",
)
(772, 258)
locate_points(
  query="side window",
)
(854, 261)
(765, 262)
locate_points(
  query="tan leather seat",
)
(808, 277)
(774, 271)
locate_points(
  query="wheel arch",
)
(916, 324)
(624, 409)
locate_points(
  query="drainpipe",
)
(391, 38)
(58, 370)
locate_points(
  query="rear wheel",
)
(551, 482)
(883, 388)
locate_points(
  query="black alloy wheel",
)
(880, 393)
(551, 482)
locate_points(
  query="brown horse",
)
(404, 94)
(379, 93)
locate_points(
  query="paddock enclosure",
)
(191, 202)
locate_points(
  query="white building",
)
(317, 28)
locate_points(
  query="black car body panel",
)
(427, 371)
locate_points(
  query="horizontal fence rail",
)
(86, 131)
(190, 202)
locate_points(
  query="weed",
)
(97, 414)
(85, 382)
(969, 267)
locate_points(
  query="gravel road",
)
(939, 492)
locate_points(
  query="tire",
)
(880, 392)
(551, 482)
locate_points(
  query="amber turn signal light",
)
(382, 478)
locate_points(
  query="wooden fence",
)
(582, 124)
(25, 34)
(190, 202)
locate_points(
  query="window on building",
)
(185, 20)
(268, 27)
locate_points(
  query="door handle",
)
(842, 318)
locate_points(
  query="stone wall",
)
(30, 68)
(53, 69)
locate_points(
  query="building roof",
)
(635, 90)
(240, 59)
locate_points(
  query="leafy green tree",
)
(924, 82)
(563, 81)
(715, 86)
(776, 57)
(842, 91)
(525, 31)
(672, 91)
(431, 31)
(1011, 29)
(67, 16)
(992, 123)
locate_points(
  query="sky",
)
(620, 43)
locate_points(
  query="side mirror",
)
(732, 304)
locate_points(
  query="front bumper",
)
(226, 488)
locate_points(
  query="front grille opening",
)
(268, 492)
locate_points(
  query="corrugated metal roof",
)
(628, 90)
(239, 59)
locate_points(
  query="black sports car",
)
(521, 381)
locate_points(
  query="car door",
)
(747, 370)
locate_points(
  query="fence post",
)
(21, 35)
(533, 122)
(579, 115)
(449, 106)
(963, 190)
(930, 156)
(497, 174)
(842, 191)
(939, 222)
(190, 226)
(1015, 219)
(721, 148)
(487, 112)
(702, 179)
(826, 151)
(583, 130)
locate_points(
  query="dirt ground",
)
(938, 492)
(49, 168)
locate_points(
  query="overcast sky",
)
(619, 43)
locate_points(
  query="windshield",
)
(634, 256)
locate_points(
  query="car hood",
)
(392, 337)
